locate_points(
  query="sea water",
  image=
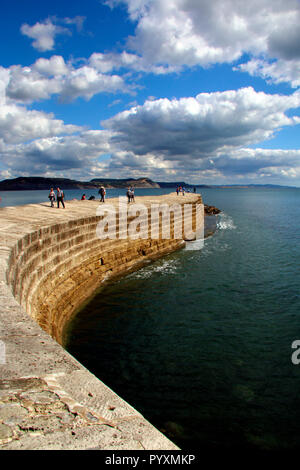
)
(200, 341)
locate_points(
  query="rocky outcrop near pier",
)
(211, 210)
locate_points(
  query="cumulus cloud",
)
(87, 82)
(244, 164)
(278, 71)
(19, 124)
(126, 60)
(53, 76)
(206, 135)
(27, 85)
(202, 126)
(47, 77)
(204, 138)
(55, 66)
(198, 32)
(258, 161)
(71, 153)
(43, 34)
(79, 156)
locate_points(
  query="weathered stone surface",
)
(12, 414)
(5, 432)
(50, 262)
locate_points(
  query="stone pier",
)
(51, 261)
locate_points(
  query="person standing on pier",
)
(60, 197)
(52, 197)
(132, 194)
(128, 193)
(102, 193)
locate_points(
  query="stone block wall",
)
(51, 261)
(54, 269)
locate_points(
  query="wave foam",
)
(166, 267)
(225, 223)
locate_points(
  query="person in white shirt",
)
(60, 197)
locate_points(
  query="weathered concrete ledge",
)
(50, 262)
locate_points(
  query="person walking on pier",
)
(52, 197)
(60, 197)
(128, 193)
(102, 193)
(132, 194)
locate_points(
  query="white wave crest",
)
(225, 222)
(165, 267)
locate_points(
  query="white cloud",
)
(5, 174)
(77, 21)
(27, 85)
(198, 32)
(208, 32)
(245, 164)
(55, 66)
(114, 61)
(53, 76)
(164, 139)
(258, 161)
(47, 77)
(87, 82)
(279, 71)
(72, 154)
(17, 123)
(43, 34)
(79, 156)
(202, 126)
(205, 135)
(204, 138)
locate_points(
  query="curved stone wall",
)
(53, 261)
(55, 268)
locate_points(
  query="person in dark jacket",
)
(102, 193)
(60, 197)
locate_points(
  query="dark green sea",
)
(200, 341)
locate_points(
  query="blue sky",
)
(206, 92)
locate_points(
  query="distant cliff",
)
(124, 183)
(36, 182)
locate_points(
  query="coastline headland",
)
(52, 260)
